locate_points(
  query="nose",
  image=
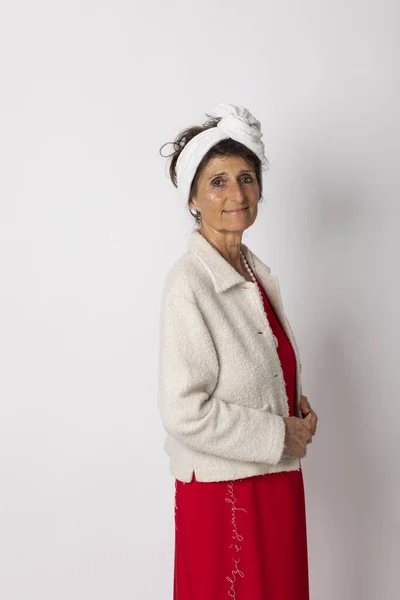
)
(237, 193)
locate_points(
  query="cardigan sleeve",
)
(190, 411)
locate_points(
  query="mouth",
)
(236, 212)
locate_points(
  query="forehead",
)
(227, 164)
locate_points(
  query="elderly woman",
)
(229, 388)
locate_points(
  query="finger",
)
(310, 426)
(307, 436)
(310, 419)
(303, 402)
(314, 417)
(307, 424)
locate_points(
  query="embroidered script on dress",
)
(175, 504)
(231, 499)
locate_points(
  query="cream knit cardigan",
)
(221, 392)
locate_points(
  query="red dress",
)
(244, 539)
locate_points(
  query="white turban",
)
(236, 123)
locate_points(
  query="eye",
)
(248, 177)
(219, 179)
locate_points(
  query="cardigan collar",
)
(222, 273)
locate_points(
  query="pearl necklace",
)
(246, 264)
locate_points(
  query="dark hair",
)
(226, 147)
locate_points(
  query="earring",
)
(196, 213)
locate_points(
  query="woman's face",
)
(226, 184)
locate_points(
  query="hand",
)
(297, 436)
(311, 417)
(300, 431)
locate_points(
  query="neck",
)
(228, 245)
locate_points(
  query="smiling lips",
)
(234, 212)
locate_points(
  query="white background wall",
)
(90, 224)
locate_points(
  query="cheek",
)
(213, 197)
(214, 201)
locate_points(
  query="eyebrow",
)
(240, 173)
